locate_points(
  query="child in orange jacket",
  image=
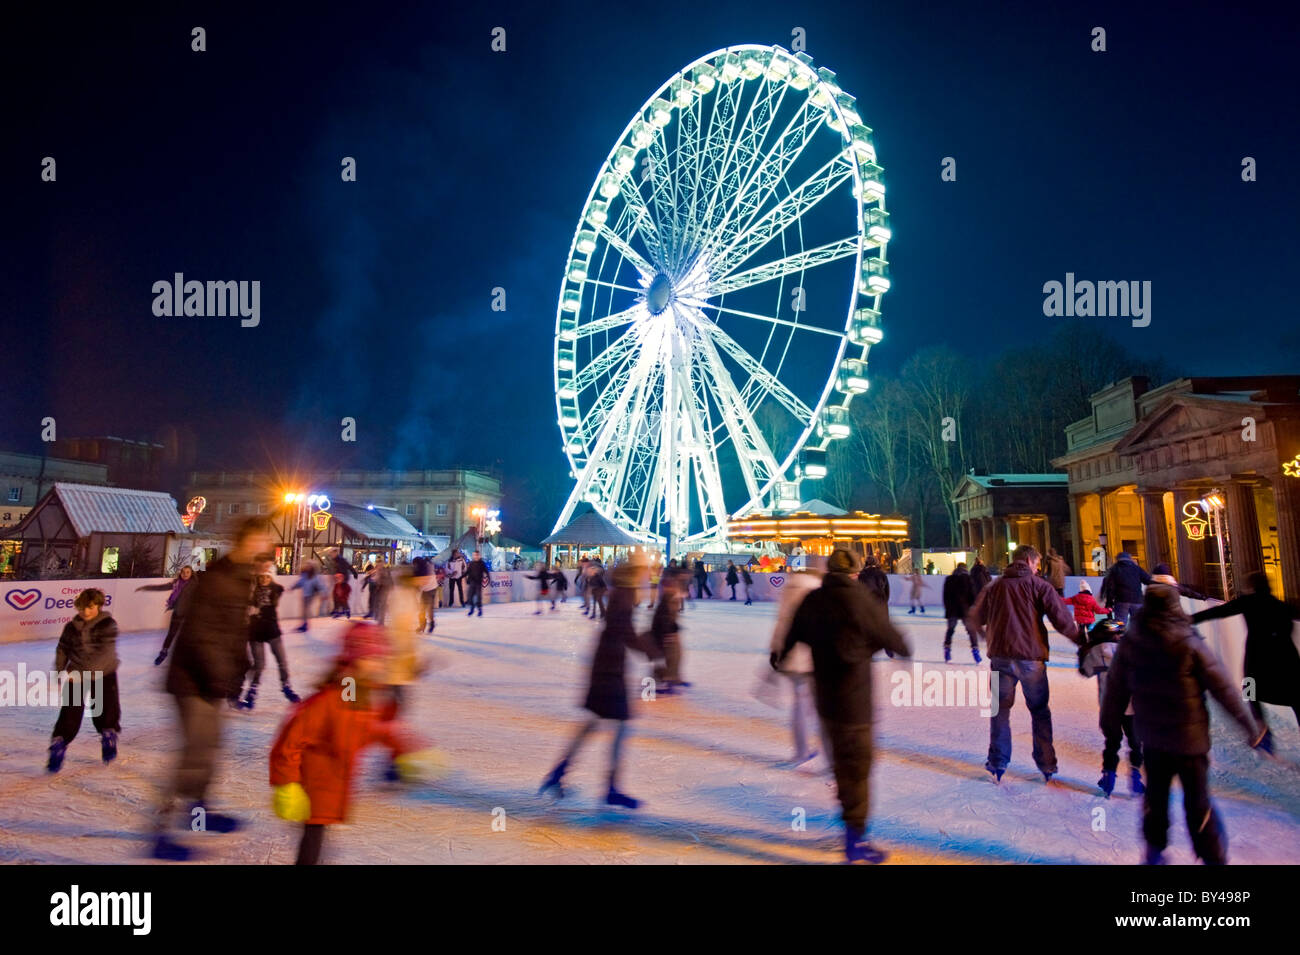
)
(315, 754)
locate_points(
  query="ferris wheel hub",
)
(659, 294)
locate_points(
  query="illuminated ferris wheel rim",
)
(666, 286)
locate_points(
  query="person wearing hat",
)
(607, 693)
(1085, 606)
(1164, 668)
(1272, 665)
(1164, 574)
(313, 760)
(1121, 589)
(844, 625)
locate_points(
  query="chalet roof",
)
(94, 509)
(592, 528)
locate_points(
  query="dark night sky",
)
(473, 166)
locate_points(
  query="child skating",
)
(87, 652)
(313, 760)
(1095, 658)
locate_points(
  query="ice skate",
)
(108, 746)
(289, 695)
(856, 849)
(1154, 857)
(58, 750)
(1107, 783)
(1135, 782)
(169, 850)
(554, 781)
(218, 822)
(616, 798)
(995, 772)
(250, 699)
(162, 655)
(947, 654)
(975, 652)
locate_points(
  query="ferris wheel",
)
(722, 291)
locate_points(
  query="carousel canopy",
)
(593, 529)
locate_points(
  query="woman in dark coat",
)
(733, 578)
(1271, 659)
(607, 695)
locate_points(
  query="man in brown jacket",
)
(207, 670)
(1011, 610)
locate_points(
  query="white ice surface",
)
(707, 765)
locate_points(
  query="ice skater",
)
(1095, 658)
(844, 626)
(312, 584)
(477, 576)
(1272, 665)
(183, 580)
(607, 694)
(264, 631)
(1163, 667)
(342, 597)
(733, 578)
(205, 676)
(958, 598)
(313, 759)
(748, 581)
(597, 588)
(918, 588)
(797, 667)
(543, 578)
(665, 633)
(561, 583)
(87, 651)
(701, 581)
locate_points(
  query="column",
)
(990, 541)
(1080, 556)
(1243, 525)
(1153, 526)
(1190, 570)
(1286, 499)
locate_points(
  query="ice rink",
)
(707, 765)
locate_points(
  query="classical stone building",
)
(998, 511)
(437, 503)
(1200, 473)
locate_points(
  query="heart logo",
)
(777, 580)
(22, 599)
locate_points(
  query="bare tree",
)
(935, 383)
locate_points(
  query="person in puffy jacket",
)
(1085, 606)
(1163, 667)
(1011, 610)
(1121, 588)
(87, 652)
(313, 760)
(844, 625)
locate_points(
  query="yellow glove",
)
(291, 802)
(424, 764)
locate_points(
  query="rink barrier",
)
(37, 610)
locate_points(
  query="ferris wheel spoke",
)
(641, 220)
(617, 319)
(768, 174)
(632, 255)
(699, 304)
(660, 186)
(718, 143)
(758, 464)
(614, 285)
(752, 367)
(781, 216)
(610, 361)
(779, 268)
(702, 450)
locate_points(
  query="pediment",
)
(1183, 417)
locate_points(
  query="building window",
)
(410, 510)
(15, 495)
(261, 508)
(442, 510)
(233, 508)
(108, 564)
